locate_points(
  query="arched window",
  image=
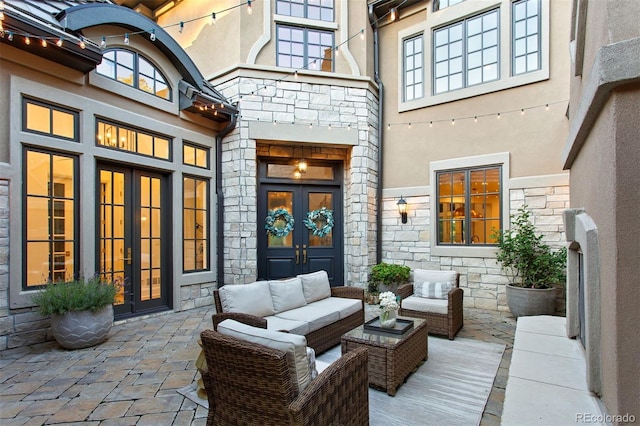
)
(135, 70)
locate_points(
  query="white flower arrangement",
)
(388, 301)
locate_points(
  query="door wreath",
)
(273, 217)
(318, 217)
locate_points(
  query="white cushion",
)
(433, 290)
(286, 294)
(343, 305)
(421, 276)
(316, 317)
(422, 304)
(254, 298)
(315, 286)
(294, 345)
(290, 326)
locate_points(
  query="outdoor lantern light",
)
(302, 166)
(402, 209)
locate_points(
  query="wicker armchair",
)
(443, 324)
(250, 384)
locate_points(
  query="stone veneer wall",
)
(483, 281)
(300, 103)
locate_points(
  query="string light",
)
(181, 27)
(10, 36)
(475, 119)
(82, 43)
(522, 111)
(362, 34)
(498, 116)
(126, 38)
(249, 8)
(453, 121)
(213, 18)
(409, 126)
(103, 43)
(43, 43)
(27, 40)
(152, 36)
(547, 107)
(60, 41)
(393, 14)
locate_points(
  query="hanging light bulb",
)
(126, 38)
(27, 40)
(409, 125)
(431, 124)
(82, 43)
(43, 42)
(103, 42)
(249, 9)
(152, 36)
(213, 18)
(181, 27)
(522, 111)
(59, 42)
(453, 121)
(498, 117)
(393, 14)
(362, 34)
(337, 51)
(388, 126)
(475, 119)
(295, 74)
(547, 107)
(10, 36)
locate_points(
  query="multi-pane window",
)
(134, 70)
(305, 48)
(50, 223)
(466, 53)
(470, 205)
(195, 224)
(49, 120)
(195, 156)
(127, 139)
(413, 68)
(441, 4)
(321, 10)
(526, 36)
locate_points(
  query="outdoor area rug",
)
(451, 388)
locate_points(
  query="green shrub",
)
(388, 275)
(525, 259)
(76, 295)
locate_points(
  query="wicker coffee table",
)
(392, 358)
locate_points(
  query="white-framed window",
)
(306, 48)
(413, 81)
(320, 10)
(466, 53)
(525, 34)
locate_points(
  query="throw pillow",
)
(315, 286)
(287, 294)
(254, 298)
(294, 345)
(435, 290)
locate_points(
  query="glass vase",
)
(388, 318)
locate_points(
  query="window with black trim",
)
(124, 138)
(466, 53)
(304, 48)
(470, 203)
(133, 69)
(45, 119)
(526, 43)
(50, 217)
(321, 10)
(413, 79)
(195, 224)
(194, 155)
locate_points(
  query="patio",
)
(146, 360)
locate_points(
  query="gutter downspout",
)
(373, 21)
(220, 200)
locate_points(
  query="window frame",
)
(406, 70)
(136, 73)
(137, 131)
(306, 62)
(207, 237)
(306, 6)
(196, 147)
(514, 39)
(51, 198)
(437, 4)
(52, 108)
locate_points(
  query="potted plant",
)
(387, 277)
(533, 268)
(81, 310)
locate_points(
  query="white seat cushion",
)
(254, 298)
(286, 294)
(291, 326)
(421, 276)
(315, 286)
(294, 345)
(316, 317)
(422, 304)
(344, 306)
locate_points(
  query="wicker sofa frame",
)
(249, 384)
(439, 324)
(328, 336)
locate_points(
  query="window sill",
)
(304, 22)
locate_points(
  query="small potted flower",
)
(388, 309)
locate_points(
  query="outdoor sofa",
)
(306, 305)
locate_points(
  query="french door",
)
(300, 251)
(133, 239)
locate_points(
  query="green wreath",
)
(322, 215)
(273, 217)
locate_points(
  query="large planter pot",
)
(531, 301)
(82, 329)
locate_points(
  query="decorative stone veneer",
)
(299, 103)
(482, 279)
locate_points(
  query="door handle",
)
(304, 253)
(128, 258)
(297, 254)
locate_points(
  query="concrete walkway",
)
(132, 379)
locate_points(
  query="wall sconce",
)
(402, 209)
(300, 169)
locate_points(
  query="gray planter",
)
(531, 301)
(81, 329)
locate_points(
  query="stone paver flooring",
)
(132, 378)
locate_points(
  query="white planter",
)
(81, 329)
